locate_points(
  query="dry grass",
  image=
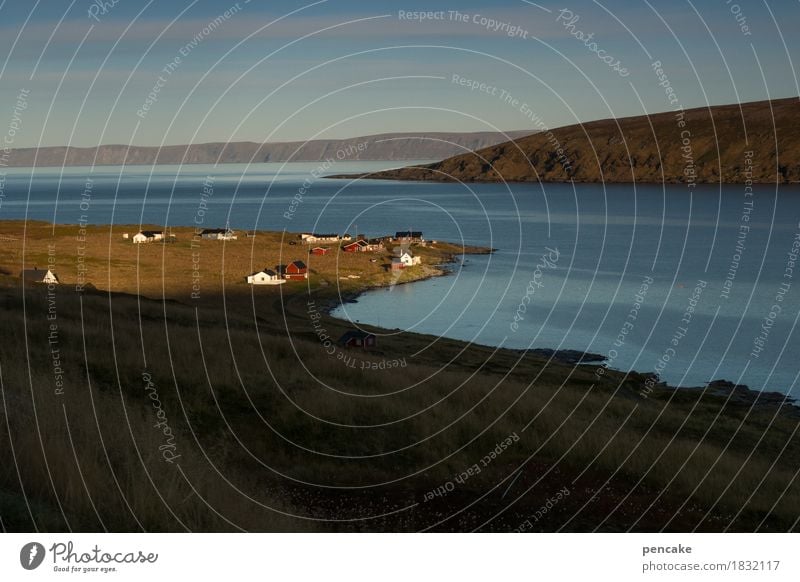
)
(165, 270)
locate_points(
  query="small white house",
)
(219, 234)
(45, 276)
(265, 277)
(146, 236)
(321, 238)
(409, 260)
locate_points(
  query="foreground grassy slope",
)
(276, 432)
(709, 146)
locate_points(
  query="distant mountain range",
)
(387, 146)
(757, 141)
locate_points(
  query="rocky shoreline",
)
(742, 395)
(439, 270)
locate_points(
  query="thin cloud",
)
(382, 25)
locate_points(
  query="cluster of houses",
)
(296, 270)
(403, 258)
(402, 236)
(148, 236)
(408, 236)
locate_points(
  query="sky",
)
(83, 73)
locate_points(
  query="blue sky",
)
(339, 68)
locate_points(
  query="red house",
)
(355, 247)
(319, 251)
(355, 338)
(295, 270)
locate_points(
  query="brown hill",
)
(704, 145)
(386, 146)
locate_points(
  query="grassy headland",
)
(136, 406)
(755, 142)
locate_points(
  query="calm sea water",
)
(572, 261)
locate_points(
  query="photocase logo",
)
(31, 555)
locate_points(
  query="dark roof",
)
(329, 235)
(152, 233)
(34, 274)
(298, 264)
(408, 234)
(355, 334)
(214, 231)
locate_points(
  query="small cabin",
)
(295, 270)
(218, 234)
(355, 247)
(405, 259)
(320, 238)
(356, 338)
(265, 277)
(45, 276)
(319, 251)
(146, 236)
(409, 260)
(374, 245)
